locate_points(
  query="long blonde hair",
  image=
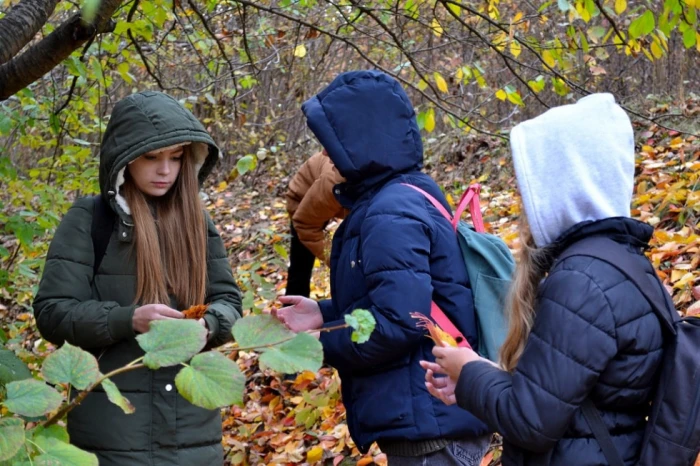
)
(170, 252)
(533, 265)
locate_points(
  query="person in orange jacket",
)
(311, 205)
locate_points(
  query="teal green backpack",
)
(490, 266)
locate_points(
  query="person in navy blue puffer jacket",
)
(579, 328)
(392, 255)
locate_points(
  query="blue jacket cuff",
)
(326, 307)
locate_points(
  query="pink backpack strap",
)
(470, 198)
(436, 313)
(433, 201)
(446, 324)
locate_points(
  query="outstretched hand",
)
(442, 388)
(299, 314)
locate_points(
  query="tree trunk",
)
(42, 57)
(20, 24)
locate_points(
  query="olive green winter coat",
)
(95, 312)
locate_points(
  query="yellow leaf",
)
(661, 40)
(515, 48)
(583, 12)
(518, 17)
(656, 50)
(691, 3)
(300, 51)
(459, 74)
(697, 41)
(440, 81)
(436, 27)
(620, 6)
(479, 77)
(684, 280)
(548, 58)
(648, 149)
(515, 98)
(676, 143)
(223, 185)
(450, 200)
(422, 85)
(430, 120)
(315, 454)
(500, 41)
(501, 94)
(454, 8)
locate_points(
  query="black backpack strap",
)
(590, 412)
(613, 253)
(100, 230)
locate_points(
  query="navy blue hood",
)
(367, 125)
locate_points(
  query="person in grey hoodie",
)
(579, 329)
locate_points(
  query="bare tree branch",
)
(610, 20)
(144, 60)
(365, 57)
(41, 58)
(20, 24)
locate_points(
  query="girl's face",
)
(154, 173)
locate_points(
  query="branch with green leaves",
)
(209, 379)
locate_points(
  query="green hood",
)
(142, 123)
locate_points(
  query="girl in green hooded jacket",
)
(163, 255)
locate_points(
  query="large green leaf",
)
(211, 381)
(31, 398)
(12, 368)
(303, 353)
(362, 321)
(259, 331)
(54, 431)
(282, 350)
(246, 164)
(116, 397)
(72, 365)
(170, 342)
(11, 437)
(58, 453)
(642, 26)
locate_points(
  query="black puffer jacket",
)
(594, 335)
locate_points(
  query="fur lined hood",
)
(142, 123)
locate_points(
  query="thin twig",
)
(364, 56)
(610, 20)
(138, 47)
(81, 396)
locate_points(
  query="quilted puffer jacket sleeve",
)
(395, 251)
(572, 341)
(223, 295)
(64, 307)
